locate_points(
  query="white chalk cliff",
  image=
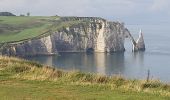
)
(100, 43)
(98, 35)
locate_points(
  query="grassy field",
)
(25, 80)
(21, 28)
(15, 28)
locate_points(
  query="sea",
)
(155, 60)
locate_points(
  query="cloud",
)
(160, 5)
(69, 7)
(128, 10)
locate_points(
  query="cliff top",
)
(20, 28)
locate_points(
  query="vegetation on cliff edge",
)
(20, 28)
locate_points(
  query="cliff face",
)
(6, 14)
(98, 35)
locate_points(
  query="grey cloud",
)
(112, 9)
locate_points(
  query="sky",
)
(128, 11)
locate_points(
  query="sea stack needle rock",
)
(74, 34)
(140, 44)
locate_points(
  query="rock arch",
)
(139, 44)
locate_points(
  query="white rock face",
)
(100, 44)
(47, 43)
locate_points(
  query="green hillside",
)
(20, 28)
(15, 28)
(25, 80)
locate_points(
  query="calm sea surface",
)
(156, 58)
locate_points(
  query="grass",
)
(22, 79)
(17, 29)
(25, 34)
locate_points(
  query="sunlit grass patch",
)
(20, 69)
